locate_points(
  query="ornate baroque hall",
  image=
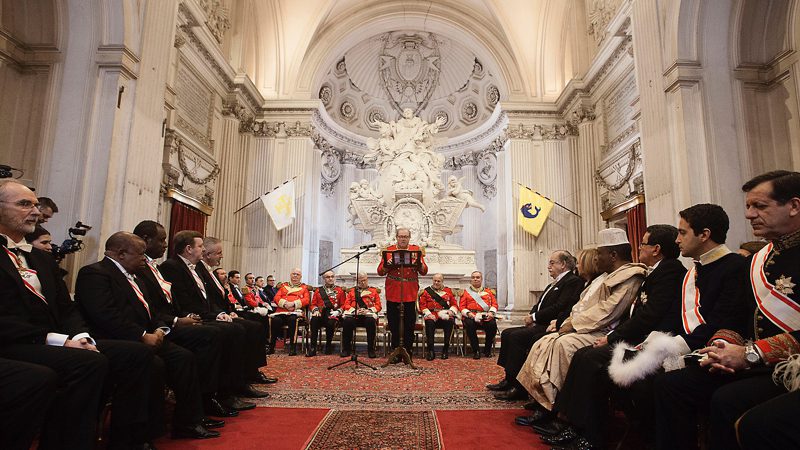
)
(428, 115)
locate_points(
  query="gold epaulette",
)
(492, 291)
(245, 290)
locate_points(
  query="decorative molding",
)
(495, 130)
(633, 156)
(556, 131)
(298, 130)
(599, 17)
(217, 20)
(625, 135)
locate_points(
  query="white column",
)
(588, 198)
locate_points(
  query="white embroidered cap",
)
(611, 237)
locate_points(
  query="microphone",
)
(364, 247)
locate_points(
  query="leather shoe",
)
(445, 354)
(537, 416)
(563, 437)
(344, 354)
(212, 423)
(251, 392)
(430, 356)
(549, 428)
(533, 406)
(579, 443)
(512, 394)
(476, 355)
(312, 352)
(371, 353)
(214, 408)
(292, 350)
(271, 349)
(193, 432)
(263, 379)
(487, 353)
(503, 385)
(328, 349)
(237, 404)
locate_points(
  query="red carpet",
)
(486, 429)
(258, 429)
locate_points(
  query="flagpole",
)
(548, 198)
(265, 193)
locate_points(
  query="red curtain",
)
(184, 217)
(637, 225)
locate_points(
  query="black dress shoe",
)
(549, 428)
(193, 432)
(503, 385)
(537, 416)
(430, 356)
(292, 350)
(512, 394)
(271, 349)
(263, 379)
(312, 352)
(579, 443)
(445, 354)
(212, 423)
(476, 355)
(533, 406)
(237, 404)
(214, 408)
(344, 354)
(487, 353)
(328, 349)
(371, 353)
(564, 437)
(251, 392)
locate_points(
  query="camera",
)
(73, 243)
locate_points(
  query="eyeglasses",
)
(24, 204)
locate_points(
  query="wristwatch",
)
(751, 354)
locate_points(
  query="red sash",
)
(21, 269)
(690, 302)
(778, 308)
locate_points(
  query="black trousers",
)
(283, 320)
(255, 353)
(517, 342)
(233, 366)
(471, 328)
(174, 366)
(680, 394)
(206, 344)
(71, 423)
(323, 321)
(430, 331)
(259, 319)
(26, 392)
(349, 328)
(772, 424)
(409, 319)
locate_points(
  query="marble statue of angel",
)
(455, 189)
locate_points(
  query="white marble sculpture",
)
(409, 191)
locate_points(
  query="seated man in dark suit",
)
(118, 307)
(39, 324)
(557, 298)
(26, 392)
(191, 296)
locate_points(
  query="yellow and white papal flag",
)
(280, 205)
(533, 210)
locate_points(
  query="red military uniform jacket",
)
(428, 305)
(372, 299)
(402, 283)
(288, 293)
(468, 304)
(336, 300)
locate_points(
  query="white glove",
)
(675, 360)
(261, 310)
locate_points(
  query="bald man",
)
(291, 298)
(117, 306)
(326, 310)
(439, 308)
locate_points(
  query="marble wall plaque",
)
(194, 105)
(325, 256)
(618, 107)
(490, 268)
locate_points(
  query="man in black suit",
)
(191, 296)
(558, 296)
(117, 306)
(26, 393)
(206, 342)
(583, 400)
(256, 326)
(39, 324)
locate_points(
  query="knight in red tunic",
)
(439, 308)
(326, 310)
(479, 310)
(361, 308)
(291, 298)
(402, 284)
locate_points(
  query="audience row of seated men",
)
(132, 328)
(673, 345)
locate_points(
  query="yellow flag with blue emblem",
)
(533, 210)
(280, 205)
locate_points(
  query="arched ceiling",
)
(290, 49)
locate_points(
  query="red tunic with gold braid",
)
(430, 306)
(468, 304)
(370, 295)
(402, 283)
(288, 294)
(336, 300)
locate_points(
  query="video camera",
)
(73, 243)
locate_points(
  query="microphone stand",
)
(354, 355)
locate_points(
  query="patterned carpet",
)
(377, 430)
(457, 383)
